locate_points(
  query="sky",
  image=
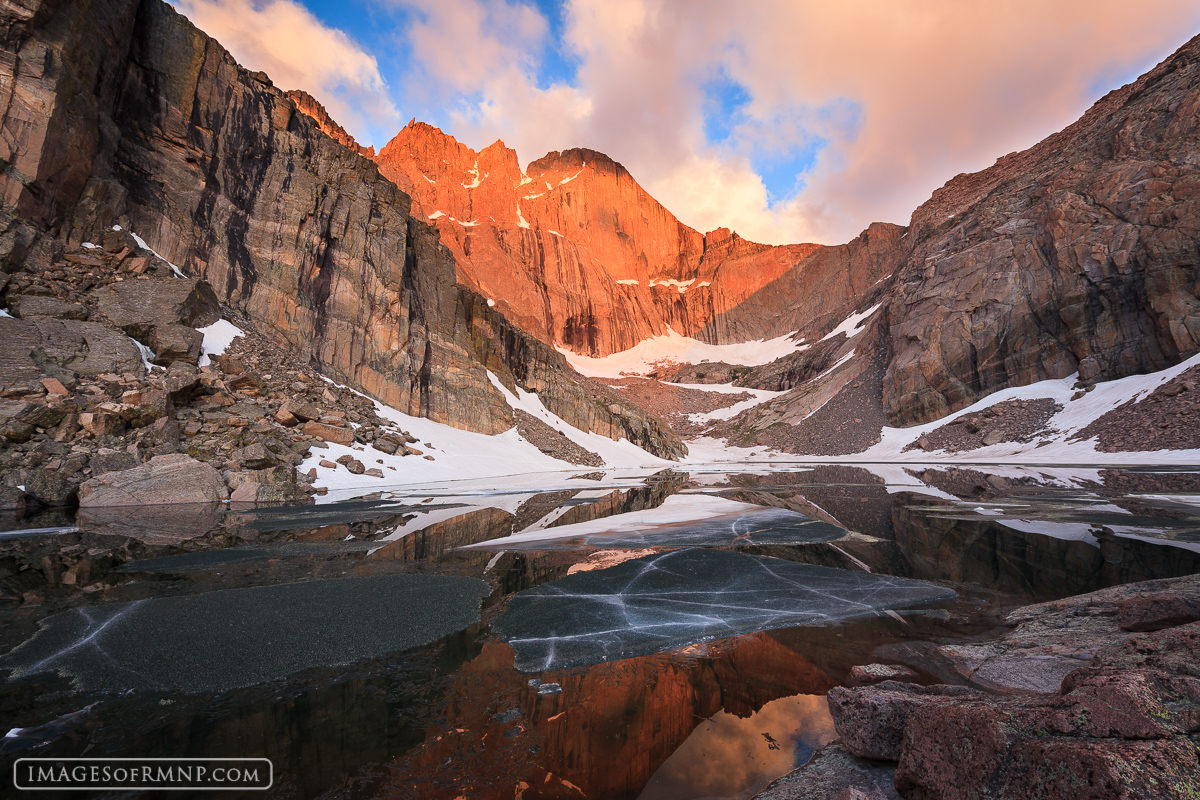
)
(785, 120)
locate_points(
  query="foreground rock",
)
(175, 478)
(1122, 724)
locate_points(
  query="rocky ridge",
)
(572, 249)
(170, 137)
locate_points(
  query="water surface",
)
(609, 635)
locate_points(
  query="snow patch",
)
(4, 313)
(491, 303)
(142, 244)
(556, 233)
(573, 177)
(1057, 446)
(474, 173)
(431, 180)
(437, 214)
(676, 349)
(682, 286)
(148, 355)
(760, 396)
(460, 457)
(629, 282)
(852, 325)
(217, 338)
(621, 453)
(89, 246)
(521, 221)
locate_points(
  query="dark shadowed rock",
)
(172, 343)
(833, 773)
(30, 306)
(174, 478)
(1156, 612)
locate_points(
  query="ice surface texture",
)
(219, 640)
(680, 597)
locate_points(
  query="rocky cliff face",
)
(572, 249)
(123, 113)
(1081, 253)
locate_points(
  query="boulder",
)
(871, 721)
(181, 382)
(29, 306)
(108, 460)
(329, 433)
(57, 484)
(138, 306)
(172, 343)
(174, 478)
(43, 347)
(1155, 612)
(302, 411)
(255, 456)
(876, 673)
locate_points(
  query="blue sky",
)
(789, 120)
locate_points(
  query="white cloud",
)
(283, 39)
(938, 87)
(903, 94)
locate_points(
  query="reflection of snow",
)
(676, 349)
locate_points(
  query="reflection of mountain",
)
(604, 736)
(1032, 565)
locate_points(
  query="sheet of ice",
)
(681, 597)
(219, 640)
(676, 349)
(217, 338)
(690, 520)
(852, 325)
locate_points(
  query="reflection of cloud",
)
(285, 40)
(727, 756)
(899, 96)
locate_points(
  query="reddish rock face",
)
(573, 250)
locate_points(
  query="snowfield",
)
(673, 348)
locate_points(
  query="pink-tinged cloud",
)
(936, 87)
(283, 39)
